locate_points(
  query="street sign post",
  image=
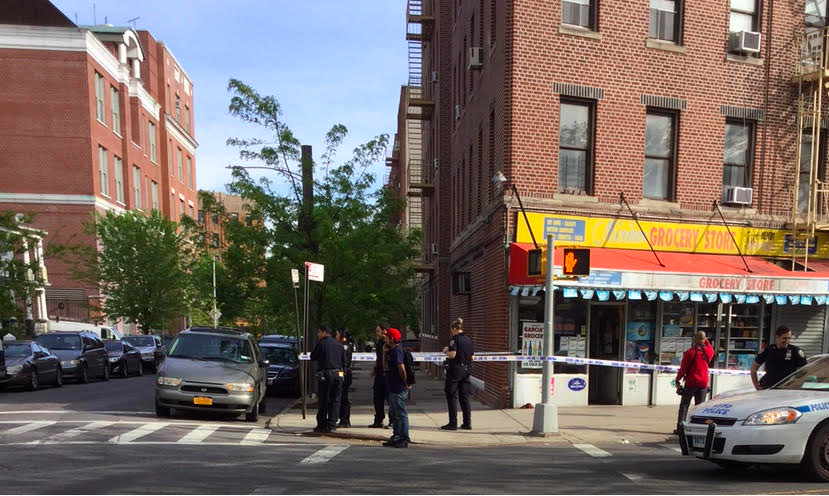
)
(313, 272)
(545, 418)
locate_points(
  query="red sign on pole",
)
(315, 271)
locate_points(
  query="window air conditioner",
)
(434, 76)
(458, 110)
(434, 249)
(745, 42)
(476, 58)
(738, 196)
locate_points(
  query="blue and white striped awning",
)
(604, 294)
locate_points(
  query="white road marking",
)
(29, 427)
(134, 434)
(324, 454)
(72, 412)
(256, 436)
(155, 443)
(592, 450)
(77, 431)
(198, 435)
(633, 477)
(671, 447)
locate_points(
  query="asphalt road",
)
(102, 438)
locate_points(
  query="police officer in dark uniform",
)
(330, 358)
(781, 359)
(343, 336)
(458, 384)
(380, 393)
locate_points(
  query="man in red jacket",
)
(694, 369)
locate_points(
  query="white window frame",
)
(151, 131)
(100, 99)
(115, 102)
(180, 165)
(154, 193)
(103, 170)
(118, 164)
(189, 172)
(136, 187)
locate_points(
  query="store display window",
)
(640, 333)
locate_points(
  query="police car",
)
(785, 424)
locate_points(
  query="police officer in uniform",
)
(380, 393)
(343, 336)
(330, 358)
(458, 383)
(781, 359)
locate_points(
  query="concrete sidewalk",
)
(427, 412)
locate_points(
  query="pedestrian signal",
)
(576, 262)
(536, 263)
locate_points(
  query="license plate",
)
(202, 401)
(698, 442)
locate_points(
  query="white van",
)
(104, 332)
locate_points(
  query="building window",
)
(201, 216)
(100, 111)
(815, 14)
(462, 283)
(115, 101)
(189, 172)
(248, 220)
(806, 150)
(201, 239)
(215, 218)
(660, 153)
(136, 186)
(665, 20)
(743, 16)
(187, 118)
(192, 212)
(739, 137)
(151, 132)
(580, 13)
(234, 216)
(575, 147)
(103, 169)
(181, 212)
(154, 192)
(172, 205)
(119, 178)
(180, 172)
(214, 242)
(178, 109)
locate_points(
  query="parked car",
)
(29, 365)
(283, 368)
(150, 348)
(212, 370)
(280, 338)
(82, 354)
(124, 359)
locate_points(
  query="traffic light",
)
(576, 262)
(537, 263)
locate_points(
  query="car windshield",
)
(140, 340)
(814, 376)
(19, 350)
(279, 355)
(58, 342)
(114, 346)
(212, 347)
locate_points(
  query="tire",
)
(140, 368)
(124, 369)
(33, 382)
(59, 377)
(815, 462)
(105, 375)
(253, 414)
(162, 411)
(84, 378)
(263, 406)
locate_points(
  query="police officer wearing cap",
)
(343, 337)
(781, 359)
(458, 384)
(330, 358)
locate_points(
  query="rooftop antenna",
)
(76, 17)
(105, 19)
(133, 21)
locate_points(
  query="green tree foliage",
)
(18, 280)
(353, 232)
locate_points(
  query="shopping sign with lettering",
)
(605, 232)
(315, 271)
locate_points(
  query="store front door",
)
(606, 343)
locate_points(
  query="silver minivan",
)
(216, 370)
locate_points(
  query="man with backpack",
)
(398, 387)
(694, 369)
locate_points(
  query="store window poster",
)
(532, 343)
(640, 331)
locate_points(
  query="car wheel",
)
(140, 368)
(32, 384)
(162, 411)
(253, 414)
(59, 377)
(124, 370)
(105, 376)
(263, 406)
(84, 375)
(816, 461)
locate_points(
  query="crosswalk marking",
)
(77, 431)
(256, 436)
(324, 454)
(198, 435)
(140, 432)
(29, 427)
(633, 477)
(592, 450)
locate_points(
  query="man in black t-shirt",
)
(781, 359)
(458, 384)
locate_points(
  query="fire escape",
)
(810, 196)
(419, 107)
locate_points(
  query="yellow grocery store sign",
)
(604, 232)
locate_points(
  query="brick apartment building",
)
(95, 118)
(213, 221)
(616, 126)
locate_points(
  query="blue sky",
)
(326, 61)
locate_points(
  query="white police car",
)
(786, 424)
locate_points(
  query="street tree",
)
(18, 279)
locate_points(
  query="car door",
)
(132, 356)
(101, 351)
(261, 371)
(43, 363)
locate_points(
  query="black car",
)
(283, 370)
(279, 339)
(29, 365)
(124, 359)
(150, 347)
(82, 354)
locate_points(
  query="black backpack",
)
(408, 363)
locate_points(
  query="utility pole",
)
(215, 313)
(306, 225)
(545, 418)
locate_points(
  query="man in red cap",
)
(395, 373)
